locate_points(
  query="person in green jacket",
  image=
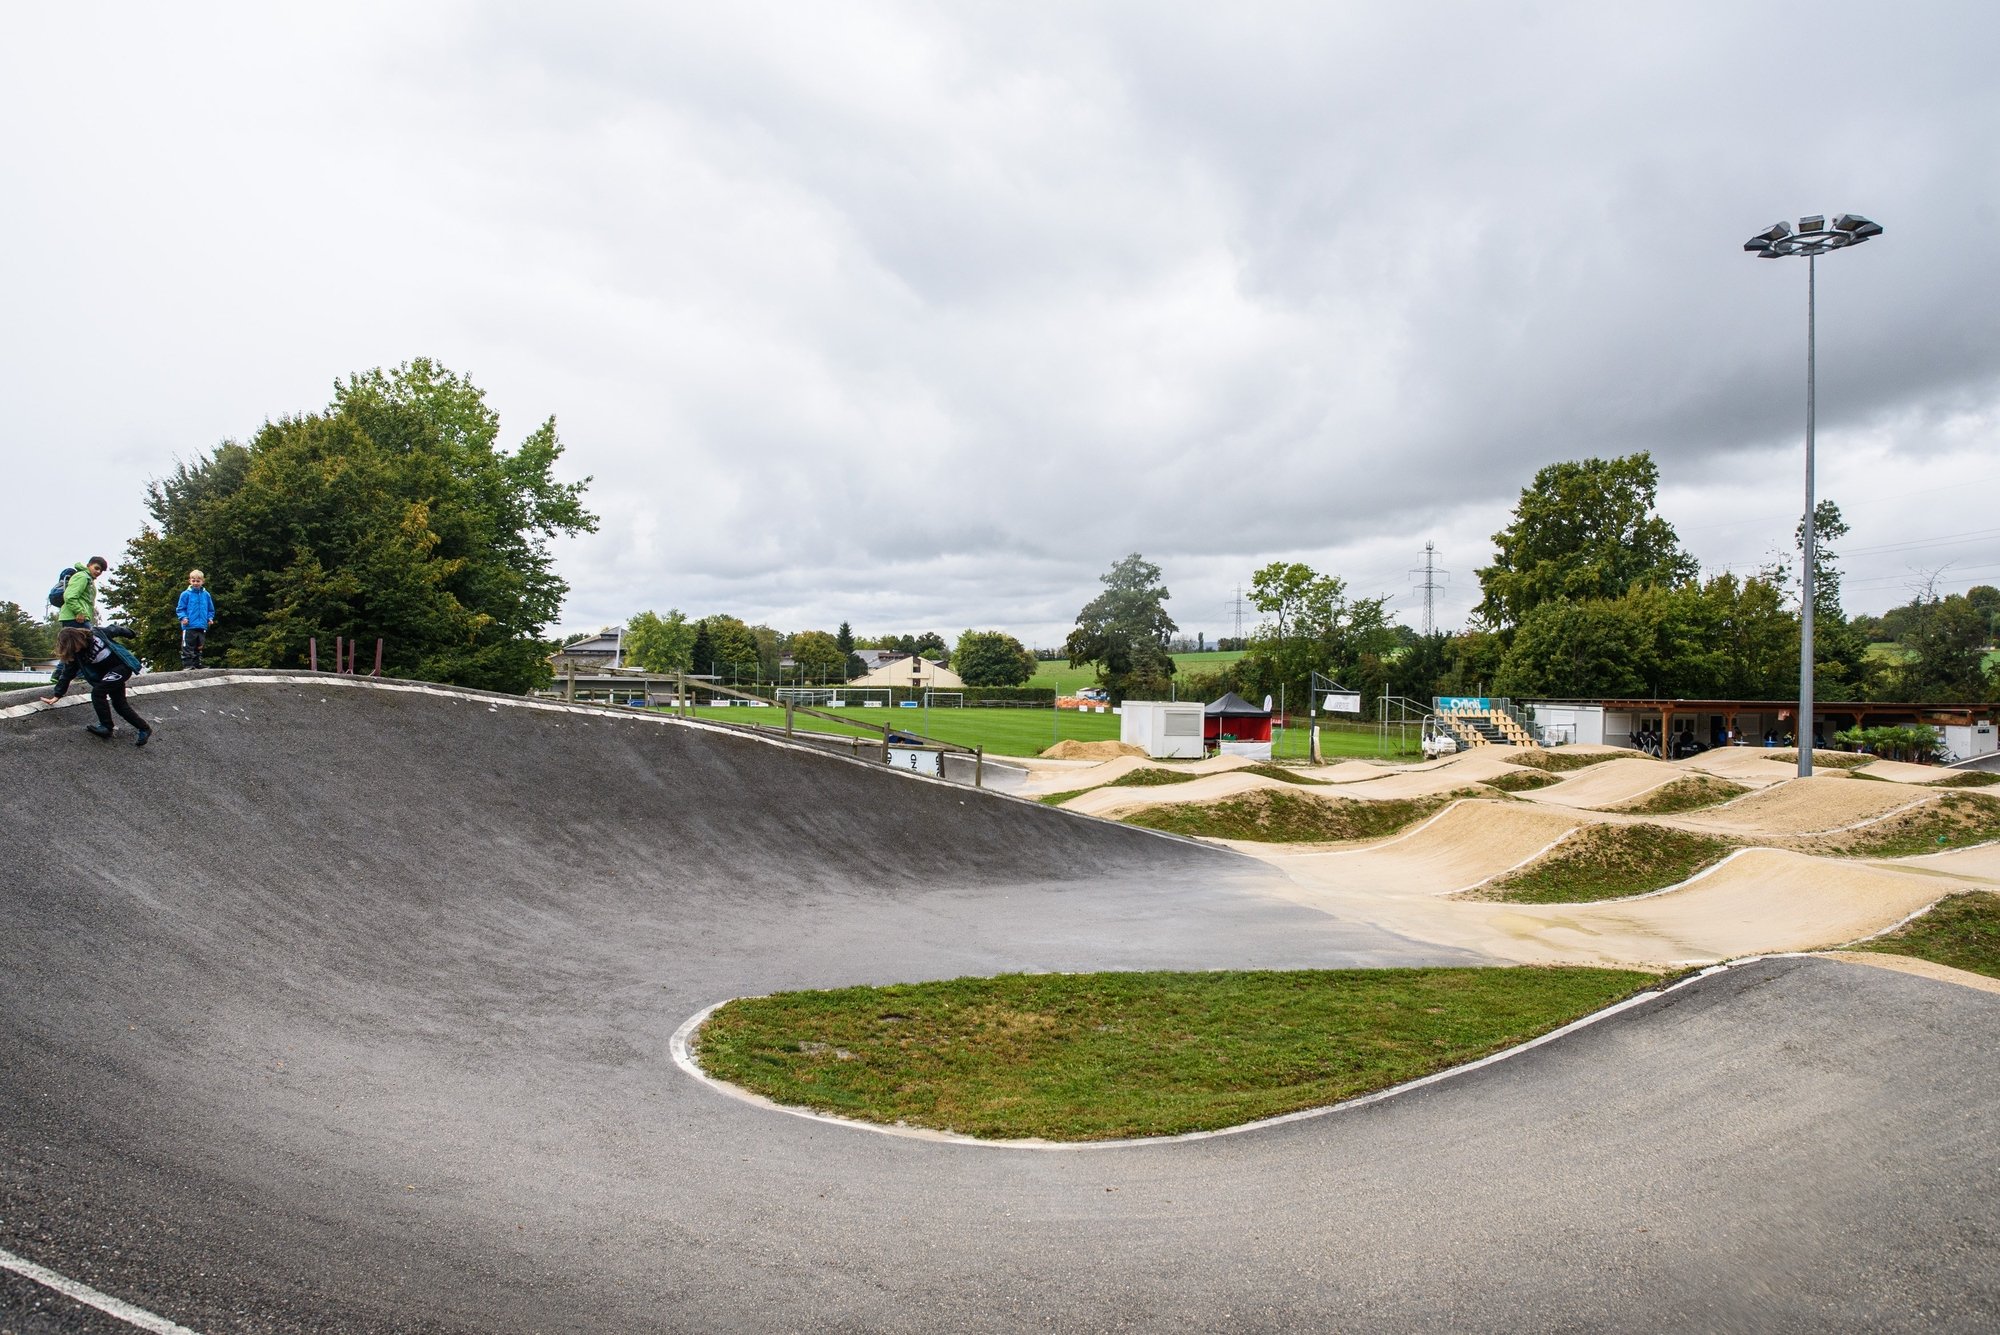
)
(79, 604)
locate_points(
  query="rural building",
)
(1163, 729)
(590, 653)
(907, 671)
(1967, 727)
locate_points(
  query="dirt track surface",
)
(352, 1015)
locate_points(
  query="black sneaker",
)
(98, 730)
(144, 734)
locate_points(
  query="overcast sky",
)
(920, 316)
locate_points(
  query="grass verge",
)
(1971, 778)
(1150, 778)
(1608, 862)
(1962, 932)
(1277, 817)
(1689, 794)
(1561, 762)
(1520, 781)
(1078, 1057)
(1281, 774)
(1955, 820)
(1824, 759)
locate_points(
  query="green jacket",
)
(80, 597)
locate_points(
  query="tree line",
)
(726, 647)
(1590, 593)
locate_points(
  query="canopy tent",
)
(1237, 717)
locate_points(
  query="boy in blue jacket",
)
(196, 610)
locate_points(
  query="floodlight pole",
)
(1815, 237)
(1809, 589)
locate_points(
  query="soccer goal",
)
(808, 695)
(944, 699)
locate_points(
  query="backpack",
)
(61, 588)
(124, 655)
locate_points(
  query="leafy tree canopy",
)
(992, 658)
(725, 647)
(393, 513)
(659, 643)
(1314, 627)
(1125, 629)
(818, 656)
(1582, 530)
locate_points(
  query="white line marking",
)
(89, 1297)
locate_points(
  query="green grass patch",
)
(1562, 762)
(1826, 759)
(1962, 932)
(1080, 1057)
(1057, 799)
(1280, 773)
(1955, 820)
(1520, 781)
(1150, 777)
(1971, 778)
(1689, 794)
(1002, 732)
(1608, 862)
(1278, 817)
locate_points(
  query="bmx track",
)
(347, 1007)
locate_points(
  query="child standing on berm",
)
(107, 667)
(196, 610)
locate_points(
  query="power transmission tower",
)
(1239, 613)
(1430, 586)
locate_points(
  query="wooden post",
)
(569, 681)
(788, 718)
(312, 652)
(339, 656)
(978, 767)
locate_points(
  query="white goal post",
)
(944, 699)
(834, 697)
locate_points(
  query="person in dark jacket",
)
(85, 652)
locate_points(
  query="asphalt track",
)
(345, 1008)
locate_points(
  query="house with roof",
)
(590, 653)
(886, 667)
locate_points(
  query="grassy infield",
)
(1099, 1056)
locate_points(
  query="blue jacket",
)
(196, 607)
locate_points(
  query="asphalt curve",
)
(347, 1008)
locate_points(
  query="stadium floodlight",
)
(1813, 239)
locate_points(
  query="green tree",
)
(1841, 668)
(1124, 630)
(733, 649)
(845, 641)
(992, 658)
(23, 639)
(818, 656)
(659, 643)
(1578, 647)
(1945, 648)
(1314, 627)
(1582, 530)
(393, 513)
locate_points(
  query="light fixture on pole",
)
(1814, 238)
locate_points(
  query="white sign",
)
(1348, 702)
(914, 758)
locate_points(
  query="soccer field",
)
(1002, 732)
(1028, 732)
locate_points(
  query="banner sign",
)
(1348, 702)
(1465, 702)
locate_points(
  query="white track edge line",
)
(684, 1058)
(89, 1297)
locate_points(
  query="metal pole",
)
(1806, 599)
